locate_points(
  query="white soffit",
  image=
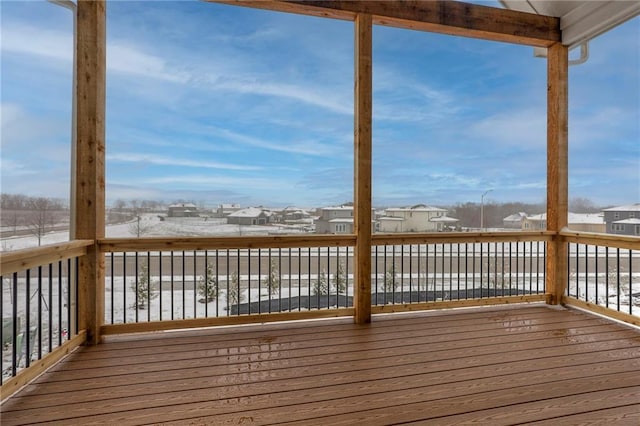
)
(583, 20)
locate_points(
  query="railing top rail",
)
(608, 240)
(211, 243)
(461, 237)
(23, 259)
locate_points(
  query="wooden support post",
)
(557, 169)
(89, 179)
(362, 168)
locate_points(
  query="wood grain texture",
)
(486, 365)
(557, 168)
(363, 103)
(446, 17)
(89, 180)
(21, 260)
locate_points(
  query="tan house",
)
(419, 218)
(337, 220)
(585, 222)
(250, 216)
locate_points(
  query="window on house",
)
(632, 214)
(616, 215)
(637, 229)
(341, 227)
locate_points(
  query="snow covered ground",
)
(152, 226)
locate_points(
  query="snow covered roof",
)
(445, 219)
(230, 206)
(574, 218)
(392, 218)
(249, 212)
(628, 208)
(630, 221)
(338, 208)
(341, 220)
(515, 217)
(418, 208)
(182, 205)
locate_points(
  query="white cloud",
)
(132, 60)
(298, 147)
(36, 41)
(130, 157)
(239, 183)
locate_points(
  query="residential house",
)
(623, 220)
(292, 215)
(514, 221)
(225, 210)
(250, 216)
(335, 220)
(182, 210)
(419, 218)
(338, 220)
(585, 222)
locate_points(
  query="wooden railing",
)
(39, 306)
(604, 274)
(155, 283)
(435, 271)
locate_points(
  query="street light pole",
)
(482, 209)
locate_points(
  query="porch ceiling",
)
(580, 21)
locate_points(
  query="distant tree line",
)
(136, 206)
(26, 202)
(494, 213)
(32, 215)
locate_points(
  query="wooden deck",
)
(530, 364)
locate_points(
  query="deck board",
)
(483, 366)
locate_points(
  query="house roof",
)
(630, 221)
(628, 208)
(248, 212)
(445, 219)
(515, 217)
(580, 21)
(183, 205)
(338, 208)
(341, 220)
(575, 218)
(418, 208)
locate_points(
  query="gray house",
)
(623, 220)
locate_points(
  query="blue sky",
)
(216, 103)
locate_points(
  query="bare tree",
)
(41, 218)
(139, 226)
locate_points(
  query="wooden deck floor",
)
(487, 366)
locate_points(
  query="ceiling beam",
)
(447, 17)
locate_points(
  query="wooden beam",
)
(453, 304)
(601, 310)
(557, 168)
(156, 326)
(446, 17)
(362, 167)
(38, 367)
(89, 180)
(21, 260)
(224, 243)
(602, 240)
